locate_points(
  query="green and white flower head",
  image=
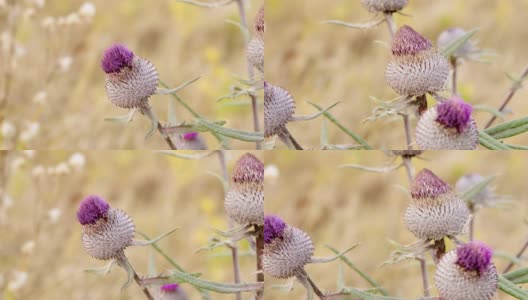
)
(385, 6)
(485, 197)
(279, 108)
(415, 68)
(469, 50)
(255, 48)
(287, 249)
(467, 273)
(244, 202)
(435, 210)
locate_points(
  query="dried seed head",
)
(286, 257)
(434, 211)
(259, 21)
(106, 231)
(467, 273)
(255, 52)
(244, 202)
(278, 109)
(386, 6)
(467, 50)
(273, 228)
(191, 141)
(172, 291)
(447, 126)
(416, 67)
(130, 79)
(485, 197)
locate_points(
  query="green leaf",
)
(518, 276)
(475, 189)
(489, 142)
(193, 156)
(207, 4)
(452, 47)
(366, 25)
(224, 288)
(312, 116)
(508, 129)
(372, 169)
(511, 289)
(324, 134)
(243, 30)
(122, 119)
(517, 147)
(232, 133)
(493, 111)
(354, 136)
(166, 91)
(369, 296)
(363, 275)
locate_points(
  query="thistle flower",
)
(106, 231)
(255, 47)
(172, 291)
(286, 249)
(485, 197)
(191, 141)
(244, 202)
(130, 79)
(469, 50)
(447, 126)
(435, 211)
(416, 67)
(385, 6)
(467, 273)
(278, 109)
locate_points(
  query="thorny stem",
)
(316, 290)
(234, 247)
(453, 61)
(514, 88)
(147, 111)
(259, 237)
(254, 103)
(124, 263)
(144, 289)
(521, 252)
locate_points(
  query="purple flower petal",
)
(427, 185)
(116, 58)
(273, 228)
(409, 42)
(171, 287)
(92, 208)
(474, 256)
(454, 113)
(190, 136)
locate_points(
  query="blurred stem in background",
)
(12, 23)
(254, 103)
(519, 255)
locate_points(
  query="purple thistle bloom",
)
(427, 185)
(409, 42)
(273, 228)
(474, 256)
(190, 136)
(116, 58)
(92, 208)
(248, 169)
(171, 287)
(454, 113)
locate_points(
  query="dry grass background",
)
(325, 63)
(342, 207)
(158, 192)
(182, 41)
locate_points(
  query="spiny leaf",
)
(122, 119)
(368, 296)
(489, 142)
(508, 129)
(224, 288)
(232, 133)
(511, 289)
(166, 91)
(367, 25)
(312, 116)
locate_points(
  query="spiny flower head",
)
(248, 169)
(279, 108)
(409, 42)
(447, 126)
(92, 209)
(454, 113)
(474, 256)
(467, 273)
(116, 58)
(259, 21)
(426, 185)
(469, 50)
(485, 197)
(255, 52)
(273, 228)
(385, 6)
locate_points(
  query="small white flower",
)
(87, 10)
(19, 280)
(8, 130)
(62, 169)
(271, 171)
(6, 41)
(7, 201)
(77, 160)
(73, 19)
(48, 22)
(39, 3)
(54, 215)
(40, 97)
(28, 247)
(29, 153)
(38, 171)
(50, 171)
(65, 63)
(29, 12)
(30, 132)
(17, 163)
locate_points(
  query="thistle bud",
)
(385, 6)
(106, 231)
(244, 202)
(286, 249)
(130, 79)
(260, 26)
(416, 67)
(191, 141)
(255, 47)
(435, 211)
(485, 197)
(447, 126)
(172, 291)
(467, 273)
(467, 50)
(278, 109)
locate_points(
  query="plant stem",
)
(147, 111)
(125, 264)
(453, 61)
(408, 168)
(316, 290)
(259, 237)
(521, 252)
(472, 223)
(390, 23)
(144, 289)
(513, 89)
(254, 103)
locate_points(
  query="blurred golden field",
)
(325, 63)
(57, 97)
(342, 206)
(41, 256)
